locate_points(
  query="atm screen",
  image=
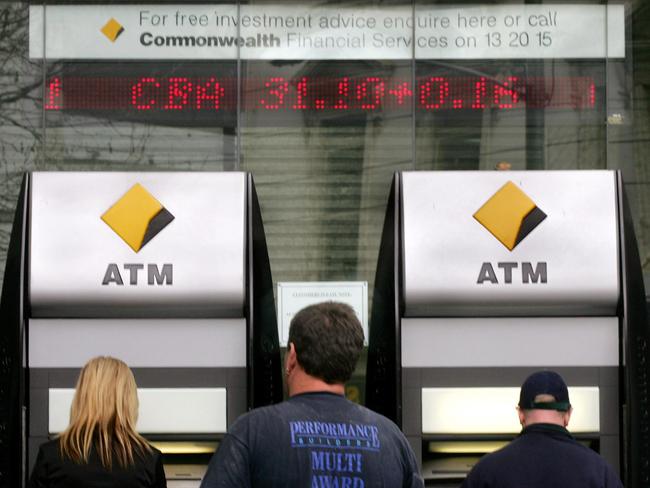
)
(208, 94)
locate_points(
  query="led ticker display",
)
(346, 94)
(283, 93)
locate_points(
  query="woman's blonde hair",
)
(103, 415)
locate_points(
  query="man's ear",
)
(522, 417)
(567, 416)
(291, 358)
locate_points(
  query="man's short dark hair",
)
(328, 339)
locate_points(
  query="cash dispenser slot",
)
(447, 460)
(185, 462)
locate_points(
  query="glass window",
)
(322, 137)
(21, 123)
(324, 120)
(140, 116)
(130, 113)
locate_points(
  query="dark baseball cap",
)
(544, 383)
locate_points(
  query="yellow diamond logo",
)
(509, 215)
(137, 217)
(112, 30)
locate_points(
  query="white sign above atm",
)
(510, 243)
(137, 244)
(317, 32)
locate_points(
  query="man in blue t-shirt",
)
(317, 438)
(544, 455)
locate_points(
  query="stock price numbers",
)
(364, 94)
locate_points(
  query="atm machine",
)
(486, 277)
(166, 271)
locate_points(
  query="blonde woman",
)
(100, 447)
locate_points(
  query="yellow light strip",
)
(465, 447)
(171, 447)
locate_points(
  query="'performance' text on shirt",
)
(336, 435)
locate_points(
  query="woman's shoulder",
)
(149, 456)
(50, 447)
(155, 452)
(49, 453)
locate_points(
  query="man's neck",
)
(544, 427)
(304, 383)
(533, 417)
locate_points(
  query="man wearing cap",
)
(544, 454)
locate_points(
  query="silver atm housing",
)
(402, 362)
(215, 332)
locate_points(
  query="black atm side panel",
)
(12, 376)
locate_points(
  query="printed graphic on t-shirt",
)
(337, 450)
